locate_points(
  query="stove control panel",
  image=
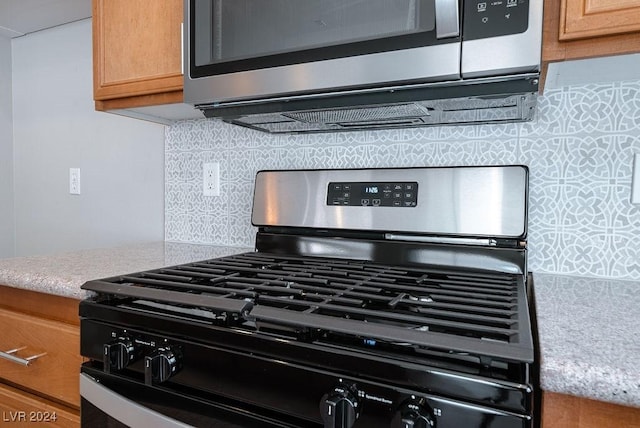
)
(373, 194)
(160, 359)
(301, 392)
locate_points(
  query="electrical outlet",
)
(74, 181)
(635, 181)
(211, 179)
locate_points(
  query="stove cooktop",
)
(477, 314)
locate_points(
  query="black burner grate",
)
(466, 311)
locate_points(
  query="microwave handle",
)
(447, 18)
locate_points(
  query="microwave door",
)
(511, 30)
(248, 49)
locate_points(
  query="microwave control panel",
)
(401, 194)
(493, 18)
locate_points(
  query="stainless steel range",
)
(374, 298)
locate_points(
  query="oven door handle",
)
(124, 410)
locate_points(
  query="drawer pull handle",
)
(8, 355)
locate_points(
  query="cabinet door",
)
(593, 18)
(19, 409)
(55, 372)
(566, 36)
(137, 49)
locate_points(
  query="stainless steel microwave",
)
(326, 65)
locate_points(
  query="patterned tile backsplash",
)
(579, 150)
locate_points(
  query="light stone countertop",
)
(589, 328)
(63, 274)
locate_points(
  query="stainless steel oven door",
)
(111, 401)
(100, 403)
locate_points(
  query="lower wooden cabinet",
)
(20, 409)
(43, 330)
(56, 345)
(567, 411)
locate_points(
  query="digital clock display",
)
(371, 190)
(373, 194)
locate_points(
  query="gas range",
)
(375, 298)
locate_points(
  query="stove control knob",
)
(413, 414)
(341, 407)
(161, 365)
(119, 353)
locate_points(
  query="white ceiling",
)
(20, 17)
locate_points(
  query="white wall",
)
(55, 127)
(6, 152)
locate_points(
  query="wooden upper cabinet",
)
(580, 29)
(137, 53)
(594, 18)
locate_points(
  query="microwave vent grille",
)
(513, 108)
(361, 114)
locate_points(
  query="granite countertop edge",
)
(575, 360)
(589, 337)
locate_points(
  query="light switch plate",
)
(635, 181)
